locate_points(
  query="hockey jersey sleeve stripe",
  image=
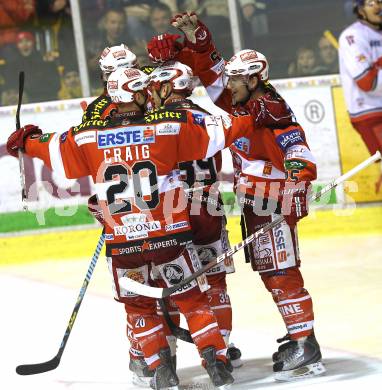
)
(257, 168)
(204, 330)
(215, 89)
(367, 80)
(215, 130)
(55, 155)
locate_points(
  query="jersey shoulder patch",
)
(96, 108)
(91, 124)
(166, 115)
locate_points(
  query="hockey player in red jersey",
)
(171, 84)
(111, 59)
(273, 170)
(360, 56)
(133, 162)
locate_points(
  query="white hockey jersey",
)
(360, 46)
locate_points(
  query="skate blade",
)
(224, 387)
(236, 363)
(141, 381)
(307, 371)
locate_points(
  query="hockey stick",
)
(31, 369)
(157, 292)
(177, 331)
(20, 153)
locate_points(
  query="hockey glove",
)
(95, 209)
(270, 111)
(17, 139)
(164, 47)
(295, 207)
(197, 35)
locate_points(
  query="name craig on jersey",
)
(129, 153)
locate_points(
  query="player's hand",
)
(197, 35)
(17, 139)
(295, 206)
(270, 112)
(164, 47)
(95, 209)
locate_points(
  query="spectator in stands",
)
(113, 32)
(254, 13)
(305, 64)
(10, 96)
(56, 35)
(160, 19)
(13, 14)
(41, 78)
(70, 84)
(328, 56)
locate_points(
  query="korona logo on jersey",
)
(289, 139)
(173, 273)
(134, 135)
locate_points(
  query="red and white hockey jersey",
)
(275, 152)
(133, 164)
(360, 47)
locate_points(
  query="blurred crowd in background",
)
(37, 36)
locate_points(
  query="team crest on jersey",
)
(243, 144)
(126, 136)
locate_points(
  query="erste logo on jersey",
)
(243, 144)
(134, 135)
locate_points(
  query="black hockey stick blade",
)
(39, 368)
(177, 331)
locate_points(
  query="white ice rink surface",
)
(34, 316)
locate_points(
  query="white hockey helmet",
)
(179, 75)
(124, 83)
(248, 63)
(116, 57)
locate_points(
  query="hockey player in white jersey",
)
(360, 55)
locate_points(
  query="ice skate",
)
(216, 369)
(282, 350)
(141, 373)
(234, 356)
(298, 360)
(165, 377)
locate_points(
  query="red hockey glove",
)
(95, 209)
(197, 35)
(270, 111)
(295, 207)
(164, 47)
(17, 139)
